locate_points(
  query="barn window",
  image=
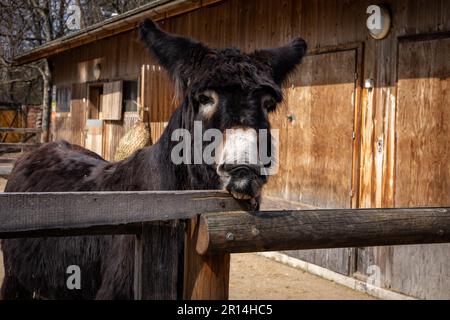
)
(63, 96)
(130, 94)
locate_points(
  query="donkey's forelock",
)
(190, 62)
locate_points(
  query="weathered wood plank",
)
(315, 229)
(43, 214)
(8, 160)
(159, 261)
(18, 145)
(21, 130)
(206, 277)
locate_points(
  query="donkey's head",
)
(232, 92)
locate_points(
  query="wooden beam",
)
(86, 213)
(18, 145)
(20, 130)
(8, 160)
(231, 232)
(205, 277)
(158, 268)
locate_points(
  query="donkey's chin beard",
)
(246, 189)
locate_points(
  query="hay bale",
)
(136, 138)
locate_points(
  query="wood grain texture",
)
(21, 130)
(11, 118)
(34, 214)
(94, 136)
(114, 131)
(112, 101)
(422, 166)
(78, 112)
(317, 146)
(159, 261)
(319, 139)
(61, 127)
(423, 130)
(233, 232)
(206, 277)
(158, 98)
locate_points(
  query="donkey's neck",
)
(152, 168)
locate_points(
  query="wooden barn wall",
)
(356, 162)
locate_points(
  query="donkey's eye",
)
(203, 99)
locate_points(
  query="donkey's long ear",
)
(178, 55)
(283, 60)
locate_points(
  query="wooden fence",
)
(183, 239)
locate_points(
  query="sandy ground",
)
(254, 277)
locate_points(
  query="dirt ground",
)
(254, 277)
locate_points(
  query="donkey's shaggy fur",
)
(246, 87)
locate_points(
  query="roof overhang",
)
(157, 10)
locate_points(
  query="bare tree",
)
(26, 24)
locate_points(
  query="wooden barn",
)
(365, 123)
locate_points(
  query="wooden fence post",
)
(205, 277)
(159, 263)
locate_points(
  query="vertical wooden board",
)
(159, 98)
(159, 261)
(112, 101)
(316, 148)
(94, 136)
(205, 277)
(78, 112)
(114, 130)
(423, 123)
(422, 166)
(319, 146)
(62, 127)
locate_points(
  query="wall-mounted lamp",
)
(369, 84)
(379, 21)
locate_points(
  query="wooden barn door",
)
(317, 143)
(78, 112)
(157, 96)
(422, 163)
(112, 101)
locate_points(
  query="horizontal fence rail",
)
(21, 130)
(238, 232)
(223, 226)
(88, 213)
(4, 145)
(183, 239)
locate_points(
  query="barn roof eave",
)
(157, 10)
